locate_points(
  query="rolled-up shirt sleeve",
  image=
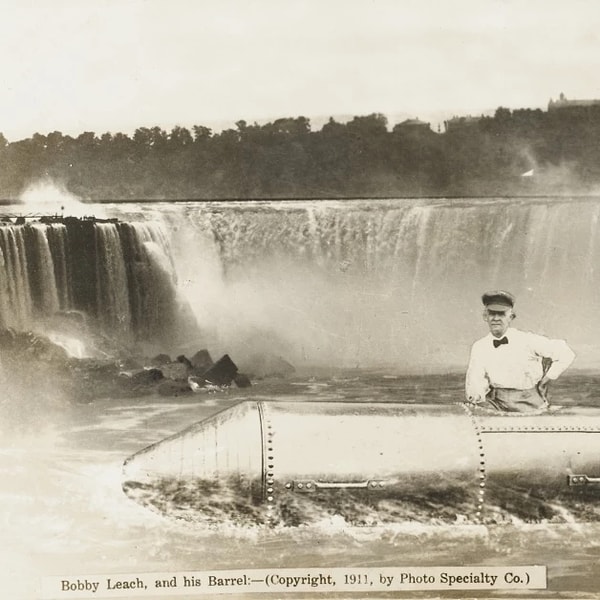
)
(477, 383)
(558, 351)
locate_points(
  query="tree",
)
(143, 138)
(180, 137)
(201, 133)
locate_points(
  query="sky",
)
(115, 65)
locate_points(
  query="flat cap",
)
(498, 300)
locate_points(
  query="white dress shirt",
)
(516, 365)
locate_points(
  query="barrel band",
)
(268, 458)
(539, 429)
(482, 475)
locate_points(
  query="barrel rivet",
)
(308, 485)
(269, 490)
(270, 481)
(300, 486)
(288, 485)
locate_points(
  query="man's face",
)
(497, 320)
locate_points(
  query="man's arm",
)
(557, 351)
(476, 383)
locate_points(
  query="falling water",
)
(120, 275)
(395, 283)
(354, 283)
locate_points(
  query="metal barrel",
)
(269, 449)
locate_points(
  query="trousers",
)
(512, 400)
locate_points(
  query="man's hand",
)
(474, 400)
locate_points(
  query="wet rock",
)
(147, 376)
(223, 372)
(28, 346)
(130, 364)
(260, 366)
(46, 351)
(196, 382)
(95, 367)
(160, 359)
(185, 361)
(175, 370)
(202, 361)
(174, 388)
(242, 380)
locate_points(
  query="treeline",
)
(285, 158)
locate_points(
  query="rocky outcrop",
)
(175, 370)
(202, 361)
(223, 372)
(34, 361)
(160, 359)
(183, 376)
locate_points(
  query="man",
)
(509, 369)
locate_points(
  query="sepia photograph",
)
(299, 299)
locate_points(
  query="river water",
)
(63, 509)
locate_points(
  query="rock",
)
(268, 365)
(174, 388)
(44, 350)
(98, 368)
(185, 361)
(223, 372)
(202, 361)
(30, 347)
(175, 370)
(196, 382)
(242, 380)
(130, 364)
(147, 376)
(160, 359)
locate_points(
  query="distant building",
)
(456, 123)
(412, 127)
(562, 102)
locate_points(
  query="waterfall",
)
(347, 283)
(395, 283)
(16, 302)
(119, 275)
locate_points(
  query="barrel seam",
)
(482, 477)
